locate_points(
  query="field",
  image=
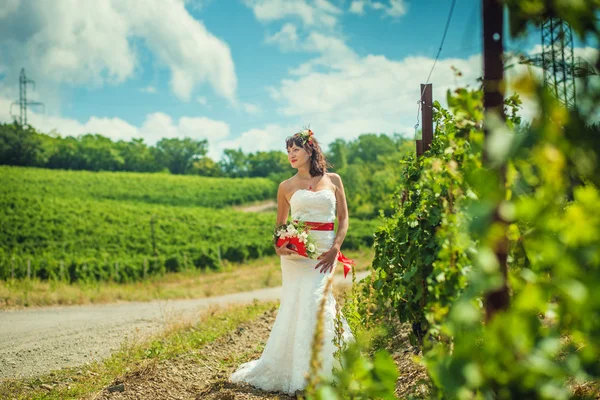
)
(134, 188)
(123, 227)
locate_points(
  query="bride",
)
(313, 195)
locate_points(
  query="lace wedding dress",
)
(286, 356)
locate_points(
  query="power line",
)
(420, 101)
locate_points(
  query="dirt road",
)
(40, 340)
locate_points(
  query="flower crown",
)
(306, 136)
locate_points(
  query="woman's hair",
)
(306, 140)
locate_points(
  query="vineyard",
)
(492, 254)
(81, 225)
(435, 263)
(486, 270)
(152, 188)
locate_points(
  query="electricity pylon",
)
(557, 61)
(23, 103)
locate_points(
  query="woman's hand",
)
(283, 250)
(327, 260)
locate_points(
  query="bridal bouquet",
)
(297, 234)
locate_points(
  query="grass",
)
(177, 340)
(234, 277)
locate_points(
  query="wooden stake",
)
(427, 116)
(419, 148)
(493, 103)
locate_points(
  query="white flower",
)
(311, 247)
(303, 236)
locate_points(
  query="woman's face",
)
(297, 156)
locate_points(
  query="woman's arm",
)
(342, 211)
(283, 208)
(327, 259)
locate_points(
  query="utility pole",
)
(23, 103)
(493, 104)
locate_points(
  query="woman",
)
(313, 195)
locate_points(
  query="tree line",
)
(369, 164)
(24, 146)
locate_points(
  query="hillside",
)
(80, 225)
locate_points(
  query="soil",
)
(263, 206)
(36, 341)
(204, 373)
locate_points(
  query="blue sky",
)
(240, 73)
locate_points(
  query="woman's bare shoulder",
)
(334, 178)
(287, 186)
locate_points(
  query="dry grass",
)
(182, 354)
(186, 361)
(190, 361)
(204, 372)
(233, 278)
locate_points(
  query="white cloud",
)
(286, 38)
(397, 8)
(202, 100)
(160, 125)
(350, 95)
(589, 54)
(530, 107)
(8, 7)
(319, 31)
(394, 8)
(75, 43)
(333, 54)
(343, 95)
(156, 126)
(319, 12)
(351, 84)
(270, 137)
(203, 128)
(252, 108)
(357, 7)
(148, 89)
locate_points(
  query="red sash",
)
(328, 226)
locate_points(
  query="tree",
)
(234, 163)
(21, 146)
(137, 156)
(265, 163)
(207, 167)
(368, 147)
(99, 153)
(338, 154)
(178, 155)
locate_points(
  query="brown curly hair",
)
(318, 162)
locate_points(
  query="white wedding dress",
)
(286, 356)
